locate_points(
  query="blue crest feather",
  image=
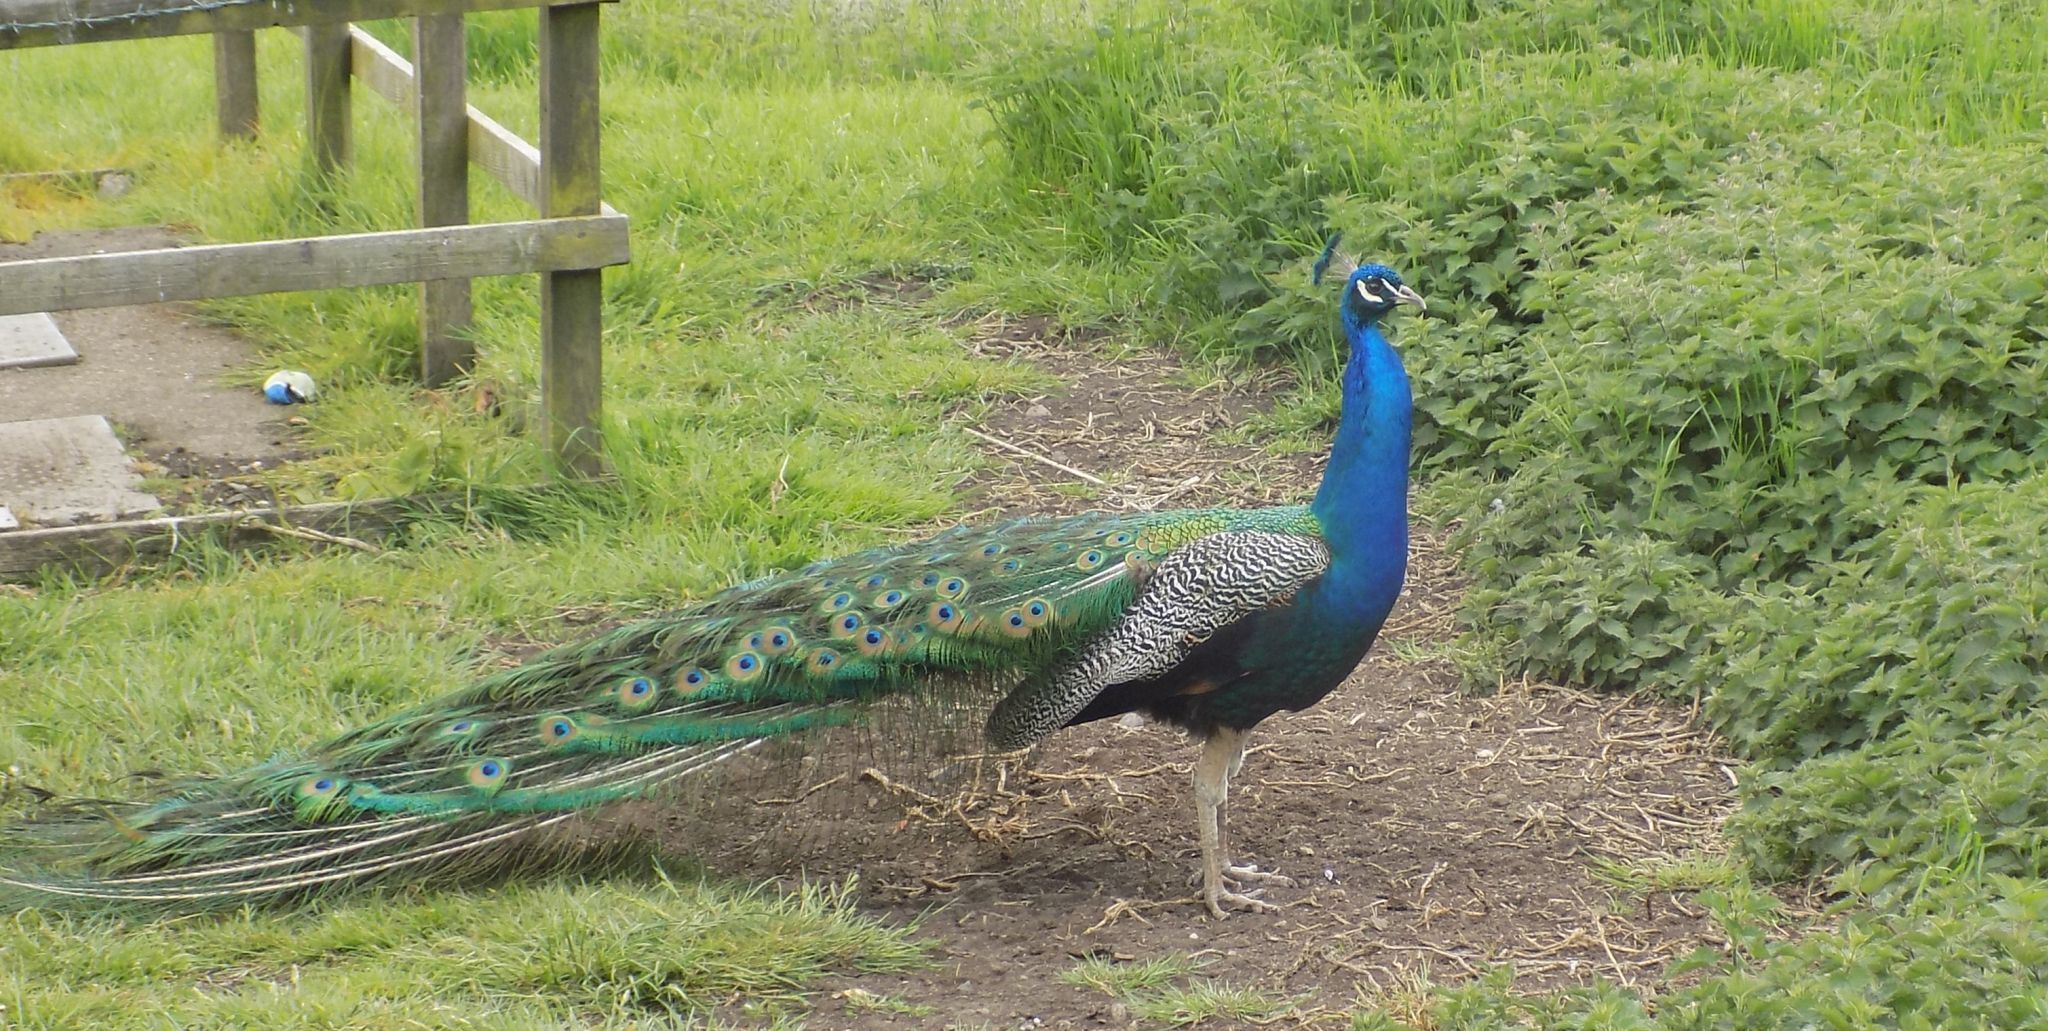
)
(1323, 263)
(1380, 272)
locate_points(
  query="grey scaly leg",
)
(1239, 876)
(1222, 755)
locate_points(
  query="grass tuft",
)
(1180, 1007)
(1125, 978)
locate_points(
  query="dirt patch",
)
(1427, 829)
(1134, 419)
(160, 374)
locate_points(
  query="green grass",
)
(1195, 1004)
(1112, 977)
(1692, 872)
(1150, 988)
(1738, 319)
(620, 953)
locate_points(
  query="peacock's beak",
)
(1407, 295)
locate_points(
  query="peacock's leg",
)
(1222, 754)
(1238, 876)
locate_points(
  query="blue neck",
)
(1363, 502)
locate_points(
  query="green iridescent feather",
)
(957, 622)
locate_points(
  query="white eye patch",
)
(1370, 297)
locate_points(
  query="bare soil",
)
(1429, 829)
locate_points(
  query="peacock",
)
(1210, 619)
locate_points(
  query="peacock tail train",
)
(982, 623)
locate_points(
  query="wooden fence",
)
(575, 236)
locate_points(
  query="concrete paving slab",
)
(54, 472)
(33, 341)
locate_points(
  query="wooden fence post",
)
(571, 303)
(234, 83)
(439, 59)
(327, 82)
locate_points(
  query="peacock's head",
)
(1374, 290)
(1370, 291)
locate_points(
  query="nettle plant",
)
(1761, 380)
(1910, 683)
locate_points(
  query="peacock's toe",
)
(1239, 877)
(1223, 902)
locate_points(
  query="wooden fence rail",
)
(312, 263)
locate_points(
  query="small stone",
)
(1130, 721)
(1119, 1012)
(1038, 411)
(115, 185)
(297, 420)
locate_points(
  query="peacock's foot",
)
(1233, 889)
(1222, 902)
(1237, 877)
